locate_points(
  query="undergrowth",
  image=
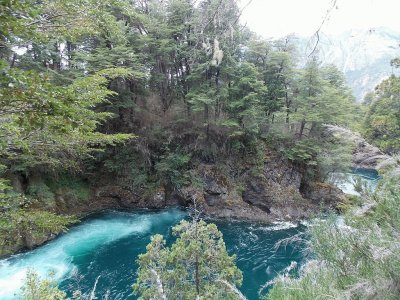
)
(357, 257)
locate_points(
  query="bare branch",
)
(195, 210)
(212, 18)
(241, 11)
(327, 15)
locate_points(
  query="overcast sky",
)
(276, 18)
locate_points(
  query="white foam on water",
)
(348, 188)
(347, 182)
(57, 256)
(305, 223)
(280, 226)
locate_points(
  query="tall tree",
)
(323, 98)
(382, 123)
(196, 266)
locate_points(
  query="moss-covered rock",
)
(27, 229)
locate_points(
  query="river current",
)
(104, 249)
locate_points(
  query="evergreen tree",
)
(323, 98)
(48, 120)
(196, 266)
(37, 289)
(382, 123)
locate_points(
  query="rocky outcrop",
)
(275, 191)
(279, 182)
(116, 195)
(228, 205)
(365, 155)
(27, 241)
(108, 194)
(324, 194)
(215, 189)
(274, 194)
(32, 241)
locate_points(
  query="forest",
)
(175, 100)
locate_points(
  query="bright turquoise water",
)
(348, 182)
(106, 247)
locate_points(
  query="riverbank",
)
(277, 191)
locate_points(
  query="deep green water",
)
(107, 245)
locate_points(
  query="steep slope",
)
(362, 55)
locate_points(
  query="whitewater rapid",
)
(103, 251)
(348, 182)
(58, 256)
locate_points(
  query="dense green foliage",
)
(358, 258)
(48, 122)
(186, 77)
(196, 266)
(37, 289)
(78, 77)
(382, 123)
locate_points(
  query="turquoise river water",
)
(104, 248)
(107, 245)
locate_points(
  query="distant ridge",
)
(362, 55)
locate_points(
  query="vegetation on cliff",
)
(176, 84)
(189, 80)
(382, 122)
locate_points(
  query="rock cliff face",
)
(276, 193)
(365, 155)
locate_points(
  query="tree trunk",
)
(313, 127)
(303, 123)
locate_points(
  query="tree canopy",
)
(382, 122)
(196, 266)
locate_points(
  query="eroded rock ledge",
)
(276, 193)
(365, 155)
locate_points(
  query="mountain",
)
(362, 55)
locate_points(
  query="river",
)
(105, 247)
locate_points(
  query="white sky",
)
(276, 18)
